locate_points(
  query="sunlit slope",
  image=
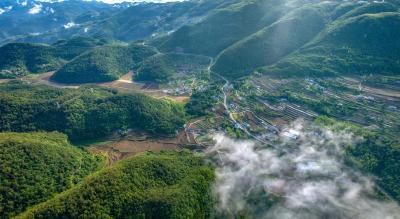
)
(371, 8)
(368, 43)
(273, 42)
(35, 166)
(223, 27)
(101, 64)
(165, 185)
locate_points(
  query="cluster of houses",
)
(365, 98)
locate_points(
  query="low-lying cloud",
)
(303, 178)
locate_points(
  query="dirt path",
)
(354, 83)
(45, 80)
(4, 80)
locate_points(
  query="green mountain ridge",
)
(20, 59)
(275, 32)
(85, 113)
(270, 44)
(363, 44)
(36, 166)
(102, 64)
(124, 21)
(226, 25)
(165, 185)
(275, 37)
(162, 68)
(251, 70)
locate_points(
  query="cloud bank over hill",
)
(306, 178)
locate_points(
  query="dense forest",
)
(296, 39)
(202, 101)
(107, 63)
(270, 44)
(165, 185)
(199, 109)
(162, 68)
(20, 59)
(36, 166)
(84, 113)
(339, 49)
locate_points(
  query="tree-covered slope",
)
(68, 49)
(102, 64)
(36, 166)
(273, 42)
(84, 113)
(364, 44)
(19, 59)
(165, 185)
(223, 27)
(162, 68)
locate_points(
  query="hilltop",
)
(85, 113)
(107, 63)
(20, 59)
(165, 185)
(36, 166)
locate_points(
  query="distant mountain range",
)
(46, 22)
(282, 38)
(24, 19)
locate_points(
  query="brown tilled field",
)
(118, 150)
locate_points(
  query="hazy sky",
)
(114, 1)
(119, 1)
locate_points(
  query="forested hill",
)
(85, 113)
(20, 59)
(36, 166)
(279, 38)
(166, 185)
(106, 63)
(200, 109)
(295, 38)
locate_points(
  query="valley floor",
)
(124, 84)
